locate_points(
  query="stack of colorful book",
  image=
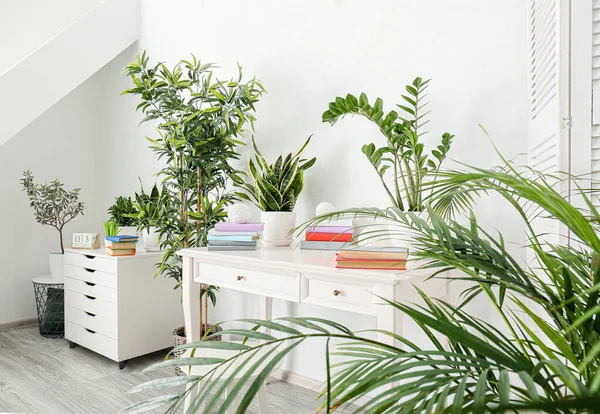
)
(121, 245)
(373, 258)
(227, 236)
(330, 236)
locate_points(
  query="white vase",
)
(278, 227)
(57, 265)
(150, 238)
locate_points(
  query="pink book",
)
(229, 226)
(331, 229)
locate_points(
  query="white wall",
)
(306, 53)
(59, 144)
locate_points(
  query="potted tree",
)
(275, 191)
(200, 120)
(53, 206)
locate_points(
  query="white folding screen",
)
(595, 75)
(549, 112)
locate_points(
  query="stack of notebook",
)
(373, 258)
(329, 236)
(121, 245)
(234, 236)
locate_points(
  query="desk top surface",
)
(291, 258)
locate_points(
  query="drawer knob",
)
(240, 277)
(336, 292)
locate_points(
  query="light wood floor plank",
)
(40, 375)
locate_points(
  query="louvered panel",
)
(595, 166)
(546, 80)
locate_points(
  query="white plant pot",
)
(57, 265)
(150, 238)
(278, 227)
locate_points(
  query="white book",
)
(213, 232)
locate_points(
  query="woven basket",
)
(179, 338)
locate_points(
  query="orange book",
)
(325, 237)
(372, 264)
(121, 252)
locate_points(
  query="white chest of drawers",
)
(115, 307)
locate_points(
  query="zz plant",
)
(403, 153)
(278, 185)
(52, 204)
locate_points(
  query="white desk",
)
(301, 276)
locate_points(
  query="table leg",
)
(191, 312)
(388, 319)
(266, 310)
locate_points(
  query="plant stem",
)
(62, 248)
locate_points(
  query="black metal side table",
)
(50, 301)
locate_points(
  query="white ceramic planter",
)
(278, 227)
(150, 238)
(57, 265)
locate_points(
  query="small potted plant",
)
(53, 206)
(275, 191)
(150, 210)
(123, 212)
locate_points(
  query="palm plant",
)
(545, 357)
(403, 152)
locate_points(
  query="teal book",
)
(239, 238)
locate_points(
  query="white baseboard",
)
(18, 324)
(299, 380)
(308, 383)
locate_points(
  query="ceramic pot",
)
(57, 265)
(150, 238)
(278, 227)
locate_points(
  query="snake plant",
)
(276, 186)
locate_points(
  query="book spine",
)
(334, 237)
(231, 243)
(331, 229)
(230, 248)
(228, 226)
(317, 245)
(230, 238)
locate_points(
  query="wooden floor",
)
(39, 375)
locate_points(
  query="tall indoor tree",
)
(544, 358)
(200, 120)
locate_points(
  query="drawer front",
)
(103, 264)
(92, 276)
(91, 289)
(95, 341)
(283, 285)
(339, 294)
(91, 321)
(98, 307)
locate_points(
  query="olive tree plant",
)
(199, 123)
(52, 204)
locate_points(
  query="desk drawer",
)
(103, 264)
(95, 341)
(342, 294)
(90, 275)
(283, 285)
(97, 307)
(91, 289)
(91, 321)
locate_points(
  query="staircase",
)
(48, 48)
